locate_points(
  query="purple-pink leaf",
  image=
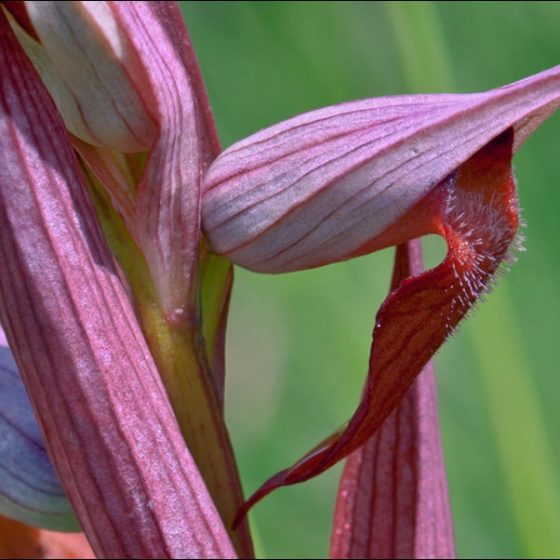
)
(392, 500)
(92, 381)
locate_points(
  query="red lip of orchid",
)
(114, 298)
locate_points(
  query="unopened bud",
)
(93, 74)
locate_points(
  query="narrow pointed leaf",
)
(30, 490)
(110, 429)
(393, 500)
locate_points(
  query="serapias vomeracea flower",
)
(347, 180)
(115, 309)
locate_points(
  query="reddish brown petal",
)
(392, 500)
(98, 396)
(475, 210)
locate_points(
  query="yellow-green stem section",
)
(216, 279)
(216, 274)
(180, 355)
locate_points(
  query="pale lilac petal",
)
(323, 186)
(30, 490)
(98, 396)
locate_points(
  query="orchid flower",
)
(119, 221)
(343, 181)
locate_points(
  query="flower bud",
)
(92, 72)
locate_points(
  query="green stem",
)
(421, 45)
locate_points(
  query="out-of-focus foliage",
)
(298, 344)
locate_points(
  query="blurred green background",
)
(298, 344)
